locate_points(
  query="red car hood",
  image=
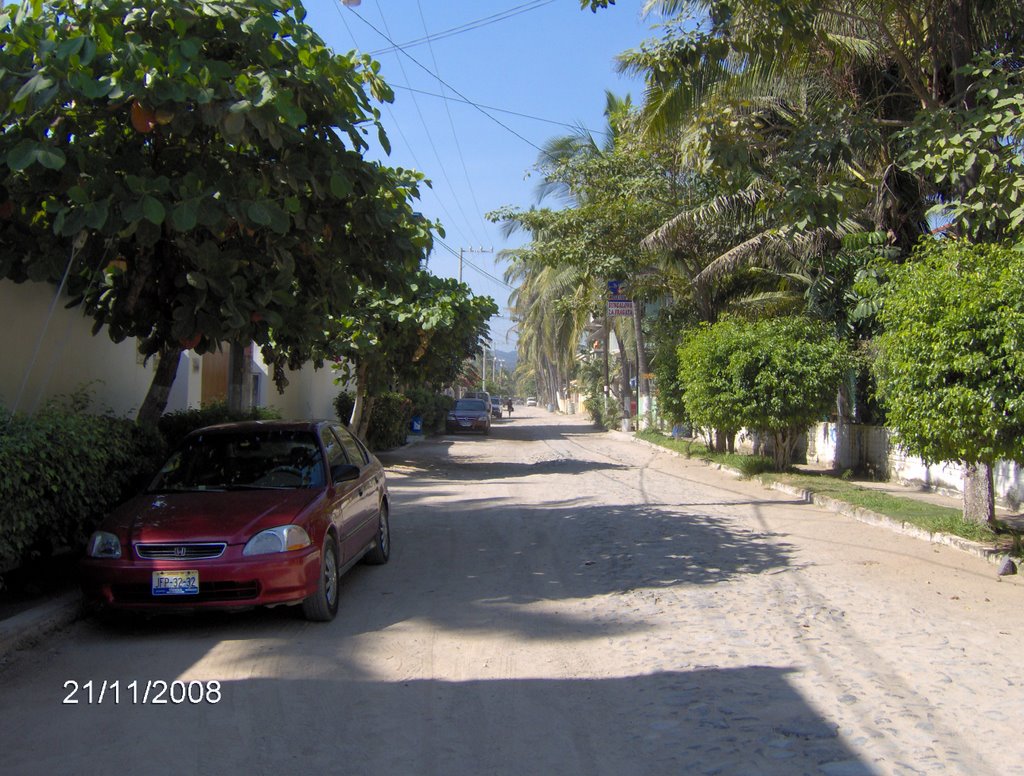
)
(232, 517)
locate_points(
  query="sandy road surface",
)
(561, 601)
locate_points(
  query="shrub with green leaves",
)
(389, 421)
(344, 402)
(61, 470)
(951, 360)
(776, 376)
(608, 417)
(175, 426)
(431, 406)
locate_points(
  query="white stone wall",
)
(309, 395)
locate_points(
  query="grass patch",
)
(747, 465)
(929, 517)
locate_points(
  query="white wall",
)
(70, 356)
(309, 395)
(848, 446)
(46, 353)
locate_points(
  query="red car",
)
(260, 513)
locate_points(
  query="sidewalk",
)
(979, 549)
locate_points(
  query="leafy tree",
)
(614, 192)
(975, 154)
(774, 376)
(193, 172)
(951, 369)
(418, 333)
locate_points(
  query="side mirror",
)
(344, 472)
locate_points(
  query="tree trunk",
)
(626, 393)
(643, 386)
(239, 378)
(784, 444)
(358, 405)
(845, 410)
(724, 441)
(979, 498)
(606, 386)
(363, 430)
(160, 388)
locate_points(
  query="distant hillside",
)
(508, 357)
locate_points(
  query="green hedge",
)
(61, 471)
(389, 418)
(175, 426)
(432, 407)
(344, 403)
(610, 419)
(389, 421)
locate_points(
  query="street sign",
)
(620, 305)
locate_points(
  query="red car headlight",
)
(103, 544)
(284, 538)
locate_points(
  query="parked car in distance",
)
(485, 395)
(496, 407)
(260, 513)
(469, 415)
(531, 401)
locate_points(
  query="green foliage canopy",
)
(201, 164)
(975, 155)
(951, 359)
(776, 376)
(416, 334)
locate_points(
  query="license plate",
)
(466, 423)
(175, 583)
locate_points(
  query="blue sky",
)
(545, 59)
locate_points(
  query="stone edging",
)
(978, 549)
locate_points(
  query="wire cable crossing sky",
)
(547, 63)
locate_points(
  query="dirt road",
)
(563, 601)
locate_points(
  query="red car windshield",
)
(242, 461)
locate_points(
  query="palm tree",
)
(880, 64)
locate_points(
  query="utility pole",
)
(471, 250)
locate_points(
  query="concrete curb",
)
(27, 628)
(978, 549)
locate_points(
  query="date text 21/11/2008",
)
(151, 692)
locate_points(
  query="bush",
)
(607, 419)
(389, 421)
(344, 402)
(62, 470)
(776, 376)
(175, 426)
(431, 406)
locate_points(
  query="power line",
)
(502, 110)
(451, 122)
(445, 83)
(485, 273)
(430, 138)
(398, 126)
(467, 27)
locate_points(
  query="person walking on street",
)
(508, 406)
